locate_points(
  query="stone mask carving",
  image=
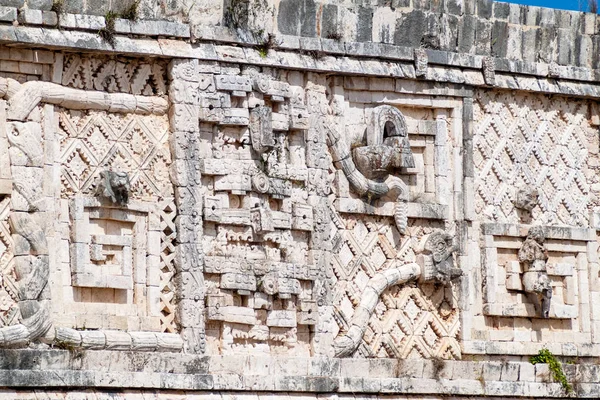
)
(533, 255)
(440, 247)
(526, 199)
(115, 186)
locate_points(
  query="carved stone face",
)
(537, 233)
(526, 199)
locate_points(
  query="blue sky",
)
(577, 5)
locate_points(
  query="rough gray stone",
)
(484, 8)
(329, 22)
(455, 7)
(365, 24)
(499, 36)
(410, 29)
(12, 3)
(8, 14)
(45, 5)
(297, 17)
(501, 10)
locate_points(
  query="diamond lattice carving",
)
(9, 311)
(94, 141)
(409, 320)
(167, 266)
(526, 140)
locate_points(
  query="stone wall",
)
(198, 209)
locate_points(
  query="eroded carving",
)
(370, 169)
(526, 198)
(533, 255)
(436, 263)
(115, 186)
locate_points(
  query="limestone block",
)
(302, 217)
(262, 219)
(184, 117)
(308, 312)
(236, 116)
(238, 281)
(298, 117)
(117, 340)
(281, 319)
(238, 315)
(233, 83)
(237, 184)
(185, 92)
(281, 121)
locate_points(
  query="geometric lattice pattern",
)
(9, 311)
(91, 142)
(167, 266)
(410, 320)
(108, 74)
(533, 141)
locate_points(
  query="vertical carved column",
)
(318, 164)
(5, 176)
(185, 174)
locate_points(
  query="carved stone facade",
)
(309, 216)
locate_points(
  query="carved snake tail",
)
(401, 208)
(346, 345)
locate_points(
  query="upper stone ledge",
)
(475, 27)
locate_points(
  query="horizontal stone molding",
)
(128, 370)
(23, 98)
(551, 232)
(117, 340)
(329, 56)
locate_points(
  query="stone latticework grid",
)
(534, 141)
(410, 321)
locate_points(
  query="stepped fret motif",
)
(536, 142)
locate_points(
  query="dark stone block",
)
(455, 7)
(93, 7)
(484, 8)
(431, 38)
(400, 3)
(308, 25)
(364, 32)
(466, 34)
(288, 17)
(298, 18)
(44, 5)
(322, 384)
(410, 29)
(329, 21)
(12, 3)
(545, 45)
(438, 6)
(499, 36)
(501, 10)
(453, 25)
(483, 35)
(566, 43)
(421, 4)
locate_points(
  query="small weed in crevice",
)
(108, 32)
(267, 44)
(132, 12)
(334, 34)
(58, 6)
(544, 356)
